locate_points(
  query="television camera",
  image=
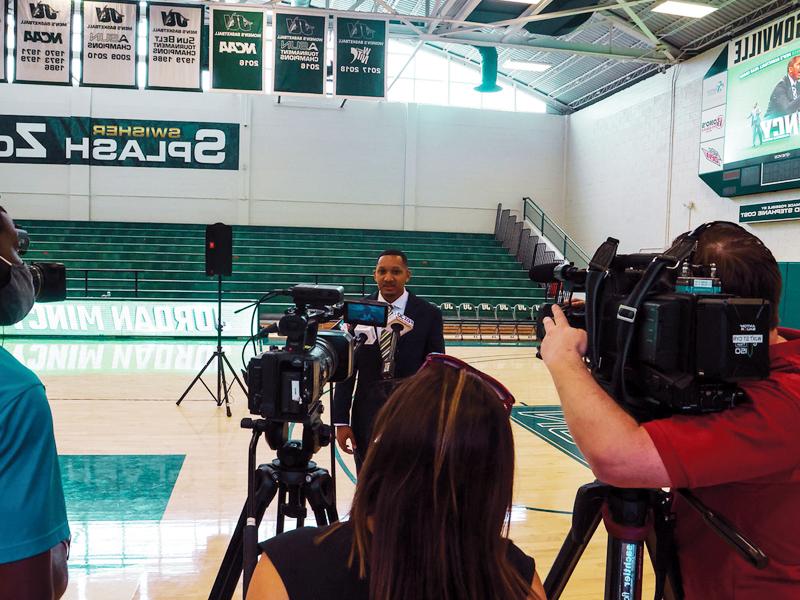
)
(663, 337)
(285, 386)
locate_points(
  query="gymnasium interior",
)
(484, 138)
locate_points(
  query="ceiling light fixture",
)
(694, 10)
(521, 65)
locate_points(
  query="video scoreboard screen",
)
(750, 123)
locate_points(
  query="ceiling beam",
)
(633, 31)
(471, 26)
(533, 9)
(626, 6)
(644, 55)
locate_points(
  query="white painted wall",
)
(632, 169)
(368, 165)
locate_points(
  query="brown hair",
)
(437, 483)
(745, 266)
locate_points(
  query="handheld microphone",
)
(399, 325)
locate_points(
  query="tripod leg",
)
(585, 519)
(235, 376)
(197, 377)
(224, 397)
(231, 568)
(321, 498)
(218, 398)
(279, 522)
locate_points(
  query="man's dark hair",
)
(394, 252)
(745, 266)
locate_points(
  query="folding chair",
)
(450, 316)
(465, 307)
(504, 315)
(482, 309)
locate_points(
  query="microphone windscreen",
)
(543, 273)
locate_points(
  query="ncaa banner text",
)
(109, 51)
(236, 49)
(43, 42)
(174, 35)
(118, 142)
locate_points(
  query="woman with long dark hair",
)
(431, 510)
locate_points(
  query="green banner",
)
(770, 211)
(299, 54)
(237, 49)
(360, 70)
(118, 142)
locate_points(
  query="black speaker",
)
(219, 249)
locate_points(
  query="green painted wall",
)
(790, 301)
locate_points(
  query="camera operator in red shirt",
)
(743, 463)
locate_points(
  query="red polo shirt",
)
(744, 464)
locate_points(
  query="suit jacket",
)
(781, 102)
(371, 391)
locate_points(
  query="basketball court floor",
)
(154, 489)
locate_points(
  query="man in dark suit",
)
(785, 98)
(354, 431)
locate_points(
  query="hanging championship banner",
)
(360, 69)
(108, 54)
(299, 54)
(174, 46)
(236, 54)
(43, 42)
(4, 33)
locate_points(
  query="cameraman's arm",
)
(619, 451)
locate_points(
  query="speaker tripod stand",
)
(223, 390)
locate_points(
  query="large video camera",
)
(285, 384)
(663, 337)
(49, 279)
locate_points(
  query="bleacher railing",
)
(554, 234)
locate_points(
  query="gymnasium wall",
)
(632, 169)
(368, 165)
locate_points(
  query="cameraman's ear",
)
(409, 273)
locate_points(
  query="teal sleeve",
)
(33, 516)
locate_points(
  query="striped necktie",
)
(385, 342)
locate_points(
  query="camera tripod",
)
(222, 395)
(292, 474)
(633, 518)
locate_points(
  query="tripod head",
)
(292, 454)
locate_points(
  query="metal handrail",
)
(86, 278)
(569, 248)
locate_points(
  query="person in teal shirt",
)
(34, 533)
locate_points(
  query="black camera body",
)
(285, 384)
(49, 279)
(662, 343)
